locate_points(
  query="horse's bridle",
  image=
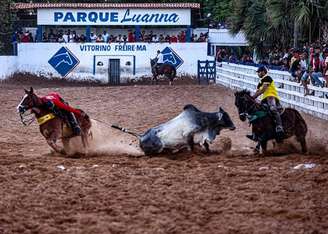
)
(24, 117)
(247, 109)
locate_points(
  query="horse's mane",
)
(244, 92)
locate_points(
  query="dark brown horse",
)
(52, 127)
(166, 69)
(262, 122)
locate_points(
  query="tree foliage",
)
(6, 27)
(275, 23)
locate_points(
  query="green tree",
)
(6, 27)
(220, 10)
(278, 23)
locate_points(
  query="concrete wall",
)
(93, 57)
(7, 66)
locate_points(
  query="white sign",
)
(94, 58)
(114, 17)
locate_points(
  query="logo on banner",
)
(63, 61)
(170, 56)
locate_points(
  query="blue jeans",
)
(315, 79)
(305, 76)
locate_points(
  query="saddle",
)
(262, 113)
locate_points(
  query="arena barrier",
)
(206, 71)
(93, 60)
(8, 66)
(292, 94)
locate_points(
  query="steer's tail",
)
(126, 131)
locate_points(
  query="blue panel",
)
(63, 61)
(137, 33)
(87, 33)
(39, 33)
(188, 36)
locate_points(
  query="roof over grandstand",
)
(22, 6)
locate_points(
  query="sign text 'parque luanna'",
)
(113, 17)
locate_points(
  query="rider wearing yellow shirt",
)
(268, 90)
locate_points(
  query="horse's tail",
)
(126, 131)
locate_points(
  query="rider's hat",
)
(262, 68)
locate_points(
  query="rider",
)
(53, 100)
(159, 60)
(268, 90)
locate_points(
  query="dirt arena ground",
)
(231, 192)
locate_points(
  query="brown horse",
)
(262, 122)
(52, 127)
(166, 69)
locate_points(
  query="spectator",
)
(305, 73)
(131, 37)
(182, 37)
(174, 39)
(74, 37)
(99, 39)
(325, 72)
(105, 37)
(125, 39)
(66, 37)
(93, 37)
(143, 36)
(155, 39)
(316, 70)
(52, 36)
(295, 68)
(82, 38)
(60, 39)
(26, 37)
(44, 37)
(167, 39)
(233, 58)
(161, 38)
(119, 39)
(30, 37)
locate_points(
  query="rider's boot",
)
(74, 124)
(279, 128)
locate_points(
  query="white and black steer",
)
(190, 127)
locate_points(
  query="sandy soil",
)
(111, 192)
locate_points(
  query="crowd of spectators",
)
(306, 65)
(70, 36)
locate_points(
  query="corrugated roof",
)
(22, 6)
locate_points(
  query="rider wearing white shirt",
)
(160, 58)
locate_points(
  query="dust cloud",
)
(104, 140)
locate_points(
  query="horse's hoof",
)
(256, 151)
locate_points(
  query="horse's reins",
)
(27, 122)
(248, 109)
